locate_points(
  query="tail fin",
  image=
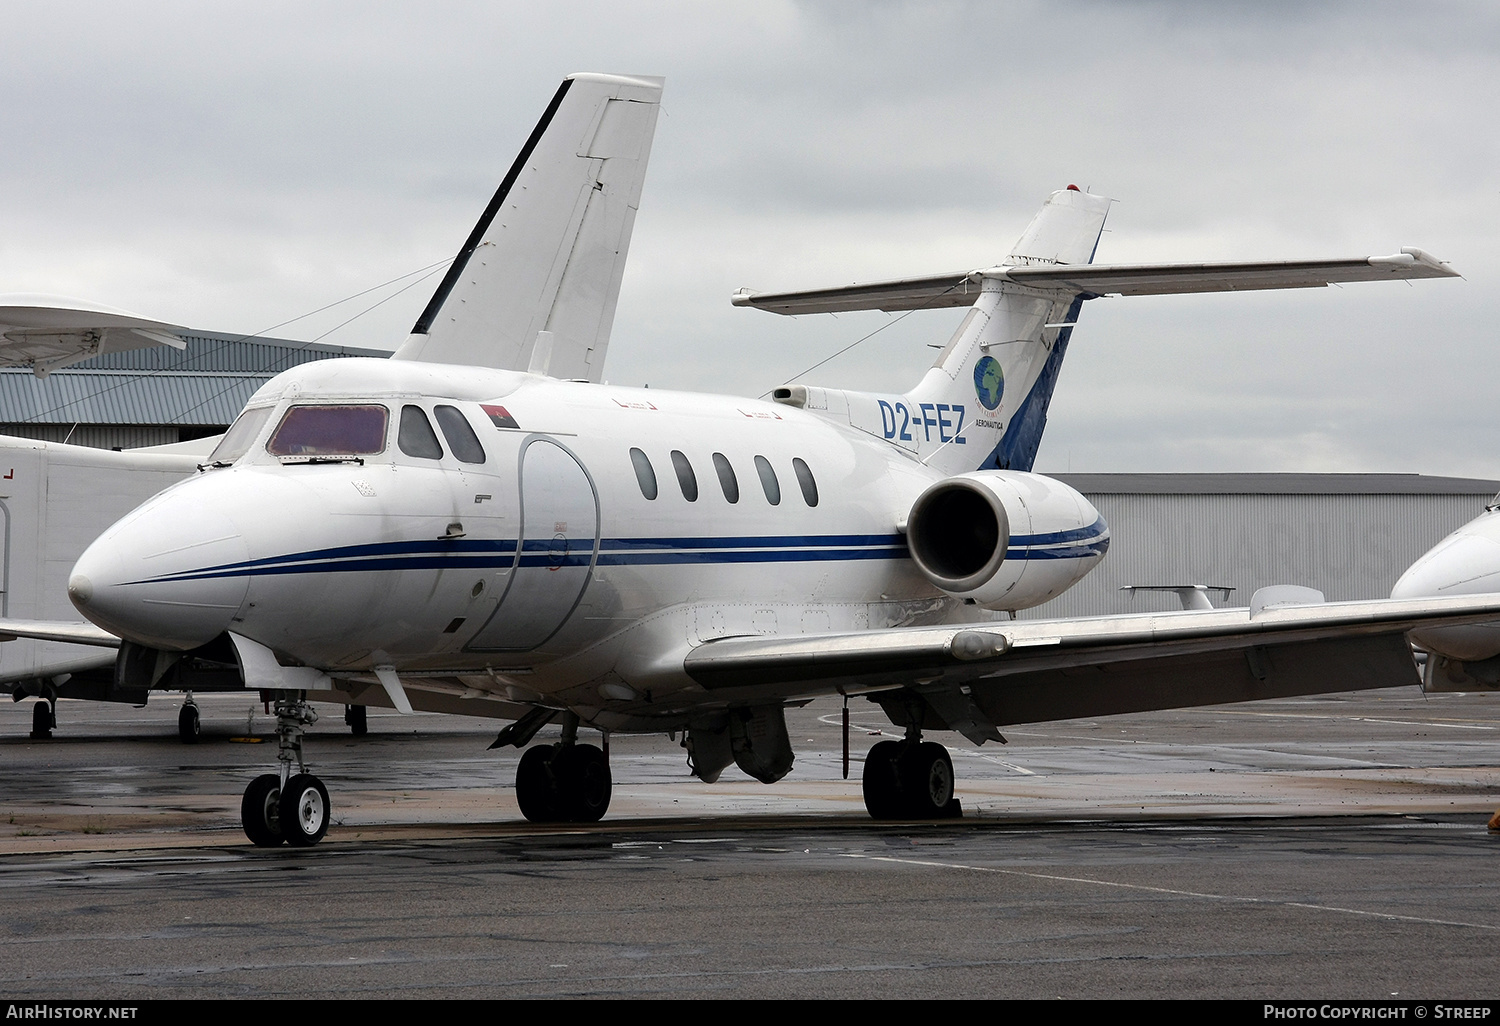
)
(1001, 365)
(535, 285)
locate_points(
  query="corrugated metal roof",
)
(210, 351)
(1277, 484)
(206, 384)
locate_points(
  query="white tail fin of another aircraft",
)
(535, 285)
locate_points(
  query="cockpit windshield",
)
(236, 441)
(330, 431)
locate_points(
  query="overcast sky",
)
(233, 166)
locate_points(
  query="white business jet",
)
(478, 525)
(1467, 562)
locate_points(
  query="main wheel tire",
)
(927, 780)
(260, 811)
(359, 722)
(304, 810)
(536, 793)
(189, 726)
(881, 783)
(42, 720)
(583, 783)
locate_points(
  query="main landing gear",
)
(565, 782)
(910, 779)
(43, 719)
(189, 725)
(287, 806)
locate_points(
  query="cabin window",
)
(415, 438)
(768, 480)
(727, 480)
(330, 431)
(645, 474)
(236, 441)
(805, 479)
(462, 441)
(686, 479)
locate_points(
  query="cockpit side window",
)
(236, 441)
(330, 431)
(415, 436)
(462, 440)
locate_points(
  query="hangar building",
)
(151, 396)
(1348, 535)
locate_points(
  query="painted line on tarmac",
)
(1234, 898)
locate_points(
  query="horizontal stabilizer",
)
(48, 332)
(960, 288)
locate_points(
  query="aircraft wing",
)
(75, 633)
(976, 678)
(47, 332)
(961, 288)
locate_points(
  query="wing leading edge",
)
(961, 288)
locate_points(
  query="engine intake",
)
(958, 533)
(1004, 539)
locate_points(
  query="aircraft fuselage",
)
(543, 536)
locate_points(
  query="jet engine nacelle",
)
(1005, 539)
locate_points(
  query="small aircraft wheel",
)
(882, 785)
(536, 793)
(583, 783)
(42, 720)
(260, 811)
(359, 722)
(189, 727)
(927, 780)
(304, 810)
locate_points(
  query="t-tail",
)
(983, 405)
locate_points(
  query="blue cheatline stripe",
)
(459, 554)
(1094, 530)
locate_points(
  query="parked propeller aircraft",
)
(479, 525)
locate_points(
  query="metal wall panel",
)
(1348, 546)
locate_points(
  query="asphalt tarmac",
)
(1313, 848)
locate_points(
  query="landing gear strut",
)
(287, 806)
(564, 783)
(910, 779)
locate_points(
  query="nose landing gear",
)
(287, 807)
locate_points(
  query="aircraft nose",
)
(162, 577)
(1464, 563)
(1467, 562)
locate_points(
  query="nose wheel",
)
(909, 780)
(287, 807)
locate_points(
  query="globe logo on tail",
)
(989, 382)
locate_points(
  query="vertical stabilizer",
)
(547, 256)
(998, 370)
